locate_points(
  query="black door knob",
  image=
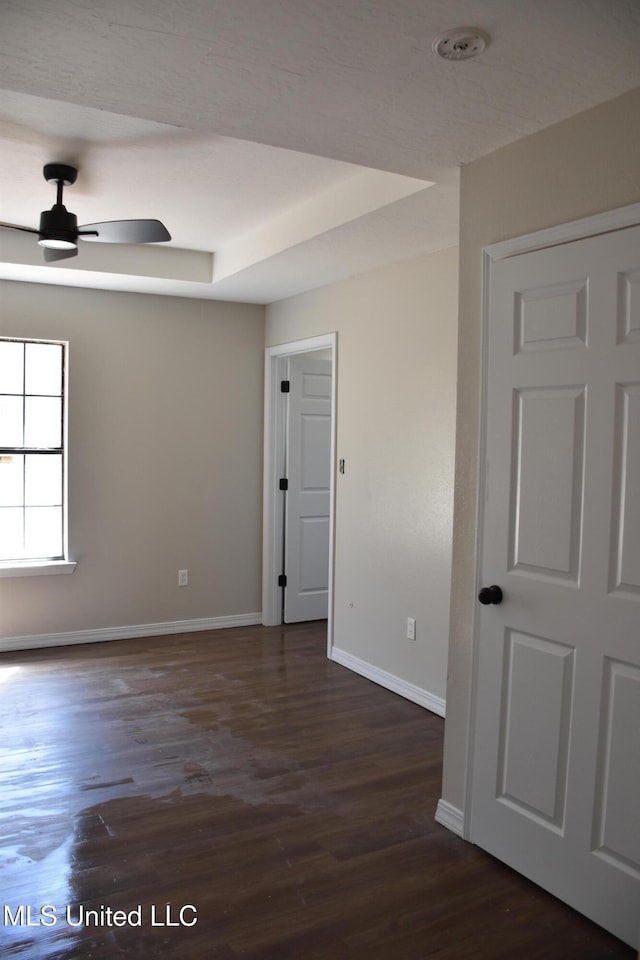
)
(490, 594)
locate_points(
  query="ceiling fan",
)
(59, 231)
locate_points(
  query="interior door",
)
(556, 764)
(307, 498)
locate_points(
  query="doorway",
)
(282, 408)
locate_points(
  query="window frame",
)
(53, 565)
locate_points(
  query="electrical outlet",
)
(411, 628)
(183, 578)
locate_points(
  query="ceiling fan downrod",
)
(58, 227)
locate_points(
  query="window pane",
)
(43, 532)
(43, 480)
(11, 475)
(42, 422)
(11, 367)
(11, 544)
(43, 368)
(11, 429)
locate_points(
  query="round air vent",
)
(463, 43)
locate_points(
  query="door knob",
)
(490, 594)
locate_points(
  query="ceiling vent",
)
(462, 43)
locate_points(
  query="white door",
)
(307, 498)
(555, 787)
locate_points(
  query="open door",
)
(555, 780)
(307, 495)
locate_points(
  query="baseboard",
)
(405, 689)
(127, 633)
(450, 817)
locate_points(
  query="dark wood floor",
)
(288, 800)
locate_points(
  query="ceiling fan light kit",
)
(58, 228)
(58, 231)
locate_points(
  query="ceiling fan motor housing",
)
(58, 224)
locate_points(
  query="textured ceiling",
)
(287, 143)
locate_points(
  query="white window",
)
(32, 452)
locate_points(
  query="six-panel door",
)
(556, 771)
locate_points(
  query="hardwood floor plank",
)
(290, 801)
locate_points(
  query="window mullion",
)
(25, 450)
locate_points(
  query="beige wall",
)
(165, 461)
(395, 429)
(586, 165)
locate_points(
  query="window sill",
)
(33, 568)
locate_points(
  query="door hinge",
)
(285, 386)
(284, 484)
(282, 580)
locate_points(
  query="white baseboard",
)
(450, 817)
(405, 689)
(127, 633)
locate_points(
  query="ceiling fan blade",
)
(14, 226)
(50, 254)
(125, 231)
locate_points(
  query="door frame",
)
(601, 223)
(274, 445)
